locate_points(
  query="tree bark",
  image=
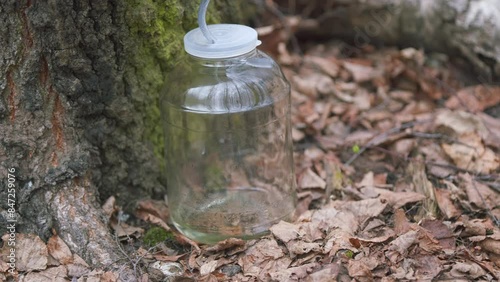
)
(468, 28)
(79, 118)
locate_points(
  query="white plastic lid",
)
(230, 40)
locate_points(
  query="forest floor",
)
(397, 164)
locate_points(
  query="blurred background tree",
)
(469, 29)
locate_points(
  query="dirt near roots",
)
(397, 163)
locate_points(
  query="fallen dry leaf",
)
(414, 55)
(313, 84)
(491, 245)
(285, 231)
(496, 261)
(124, 231)
(297, 135)
(310, 231)
(459, 122)
(361, 73)
(52, 274)
(493, 130)
(441, 232)
(31, 253)
(359, 137)
(152, 219)
(362, 267)
(77, 270)
(154, 207)
(428, 242)
(428, 267)
(3, 266)
(329, 66)
(58, 249)
(466, 270)
(471, 154)
(474, 98)
(437, 161)
(328, 273)
(404, 146)
(329, 218)
(445, 203)
(51, 261)
(94, 275)
(293, 273)
(300, 247)
(401, 222)
(480, 195)
(261, 269)
(338, 239)
(309, 179)
(109, 276)
(261, 257)
(394, 199)
(367, 181)
(405, 96)
(401, 246)
(168, 258)
(265, 249)
(474, 227)
(271, 36)
(208, 267)
(378, 236)
(361, 210)
(314, 154)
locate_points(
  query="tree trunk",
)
(468, 28)
(79, 118)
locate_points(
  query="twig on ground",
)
(439, 136)
(488, 208)
(382, 137)
(131, 261)
(477, 176)
(493, 185)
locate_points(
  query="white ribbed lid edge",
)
(230, 40)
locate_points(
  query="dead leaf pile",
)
(397, 177)
(51, 261)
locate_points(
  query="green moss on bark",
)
(157, 29)
(156, 235)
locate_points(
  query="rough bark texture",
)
(79, 119)
(469, 28)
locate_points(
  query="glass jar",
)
(228, 146)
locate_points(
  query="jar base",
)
(245, 212)
(213, 238)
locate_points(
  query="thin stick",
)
(477, 176)
(488, 208)
(382, 137)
